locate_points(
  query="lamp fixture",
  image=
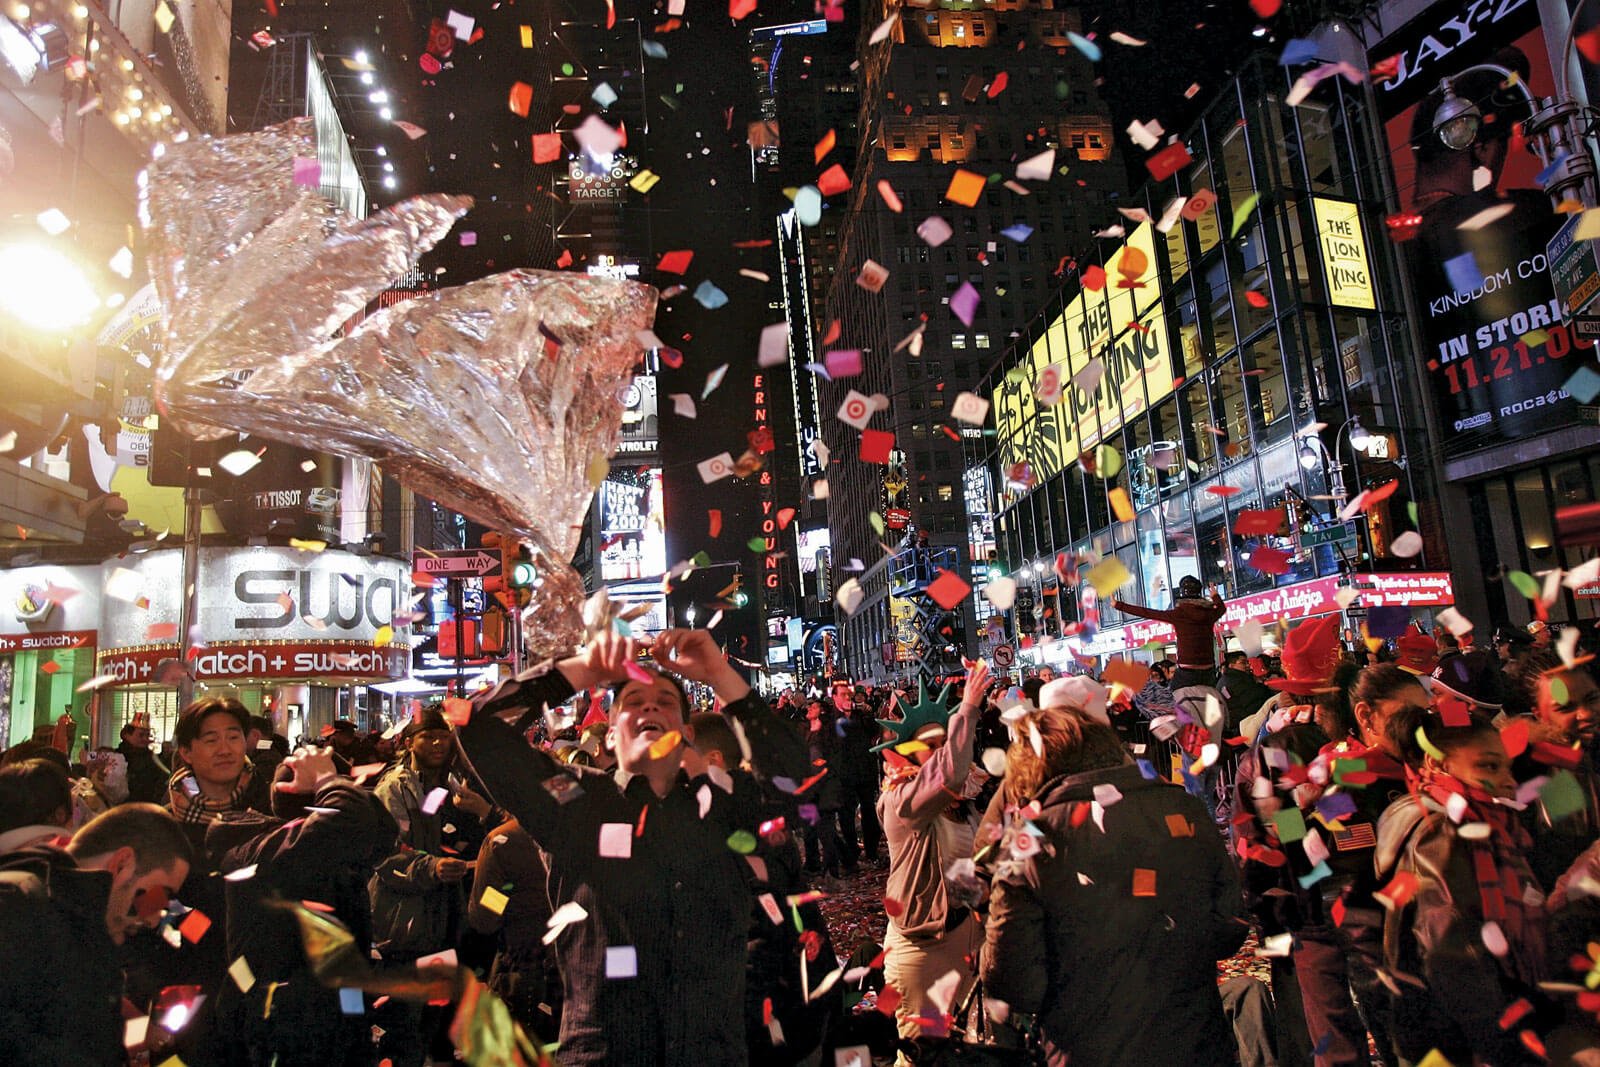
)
(1456, 121)
(1359, 437)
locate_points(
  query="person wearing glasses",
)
(147, 775)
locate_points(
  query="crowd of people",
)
(627, 853)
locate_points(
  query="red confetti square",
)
(546, 147)
(876, 446)
(1252, 523)
(948, 590)
(1167, 162)
(49, 666)
(1094, 278)
(1270, 560)
(833, 180)
(194, 926)
(675, 262)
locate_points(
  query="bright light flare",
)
(44, 288)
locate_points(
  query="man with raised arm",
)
(1194, 618)
(648, 877)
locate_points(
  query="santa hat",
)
(1310, 656)
(1077, 691)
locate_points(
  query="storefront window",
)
(1249, 253)
(1533, 511)
(1167, 453)
(1231, 410)
(1267, 395)
(1207, 228)
(1191, 345)
(1220, 301)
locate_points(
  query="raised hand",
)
(977, 684)
(309, 768)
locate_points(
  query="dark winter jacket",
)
(324, 856)
(509, 901)
(667, 913)
(414, 912)
(1245, 694)
(1113, 937)
(147, 778)
(1453, 989)
(60, 985)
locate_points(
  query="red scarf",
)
(1499, 863)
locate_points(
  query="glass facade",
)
(1217, 360)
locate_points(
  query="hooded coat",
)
(1112, 937)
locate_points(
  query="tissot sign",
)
(264, 594)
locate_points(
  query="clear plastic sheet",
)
(497, 398)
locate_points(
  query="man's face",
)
(644, 713)
(342, 741)
(217, 752)
(139, 737)
(1570, 703)
(1047, 674)
(137, 901)
(843, 698)
(430, 749)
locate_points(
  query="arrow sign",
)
(457, 563)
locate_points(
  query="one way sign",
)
(457, 563)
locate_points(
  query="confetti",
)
(616, 838)
(965, 188)
(563, 917)
(243, 977)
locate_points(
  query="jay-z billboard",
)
(1454, 86)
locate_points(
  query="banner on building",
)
(1495, 352)
(1122, 326)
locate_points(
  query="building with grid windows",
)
(974, 90)
(1240, 373)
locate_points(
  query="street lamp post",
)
(1314, 452)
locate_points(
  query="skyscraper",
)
(951, 102)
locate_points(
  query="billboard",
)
(629, 508)
(1122, 325)
(1495, 352)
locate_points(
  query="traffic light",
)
(522, 574)
(494, 585)
(458, 634)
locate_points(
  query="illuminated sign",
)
(809, 28)
(632, 517)
(1344, 254)
(588, 180)
(1123, 326)
(769, 521)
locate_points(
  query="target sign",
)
(856, 410)
(716, 468)
(1049, 388)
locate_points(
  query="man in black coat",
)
(147, 776)
(62, 915)
(1244, 692)
(335, 836)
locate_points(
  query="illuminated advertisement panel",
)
(631, 516)
(1123, 326)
